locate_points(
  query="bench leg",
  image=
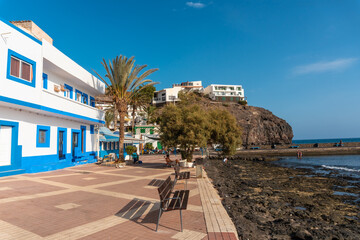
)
(175, 180)
(157, 225)
(181, 220)
(186, 184)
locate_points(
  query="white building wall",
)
(226, 91)
(169, 93)
(21, 44)
(26, 106)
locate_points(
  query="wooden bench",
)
(181, 175)
(170, 200)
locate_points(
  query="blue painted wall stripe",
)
(48, 109)
(45, 81)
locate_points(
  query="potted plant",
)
(130, 150)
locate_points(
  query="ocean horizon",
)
(325, 140)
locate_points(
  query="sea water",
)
(344, 165)
(329, 140)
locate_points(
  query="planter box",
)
(190, 164)
(183, 163)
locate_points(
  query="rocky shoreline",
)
(266, 201)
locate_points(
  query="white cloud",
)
(318, 67)
(195, 5)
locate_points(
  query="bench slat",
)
(177, 204)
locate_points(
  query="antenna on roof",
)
(5, 36)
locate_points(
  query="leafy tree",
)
(141, 100)
(130, 149)
(185, 126)
(125, 80)
(189, 125)
(149, 111)
(149, 146)
(224, 130)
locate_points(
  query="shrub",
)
(149, 146)
(130, 149)
(243, 102)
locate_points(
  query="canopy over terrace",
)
(109, 142)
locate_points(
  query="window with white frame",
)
(67, 93)
(21, 69)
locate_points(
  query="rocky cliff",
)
(261, 126)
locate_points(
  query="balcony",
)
(70, 109)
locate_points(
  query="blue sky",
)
(299, 59)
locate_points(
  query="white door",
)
(5, 145)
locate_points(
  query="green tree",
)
(189, 125)
(125, 80)
(141, 99)
(224, 130)
(185, 126)
(130, 149)
(149, 112)
(149, 146)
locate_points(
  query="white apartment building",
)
(193, 85)
(225, 93)
(48, 118)
(171, 95)
(167, 95)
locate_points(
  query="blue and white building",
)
(48, 118)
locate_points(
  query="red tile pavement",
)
(97, 202)
(21, 188)
(87, 179)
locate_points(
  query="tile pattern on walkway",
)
(218, 223)
(98, 202)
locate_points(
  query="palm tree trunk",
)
(133, 120)
(115, 117)
(122, 112)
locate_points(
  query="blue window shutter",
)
(45, 81)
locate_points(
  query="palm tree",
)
(124, 86)
(109, 118)
(141, 100)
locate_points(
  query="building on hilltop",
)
(225, 93)
(193, 85)
(48, 118)
(171, 95)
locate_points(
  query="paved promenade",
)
(100, 202)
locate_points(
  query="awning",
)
(152, 136)
(105, 135)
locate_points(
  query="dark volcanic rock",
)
(266, 201)
(260, 126)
